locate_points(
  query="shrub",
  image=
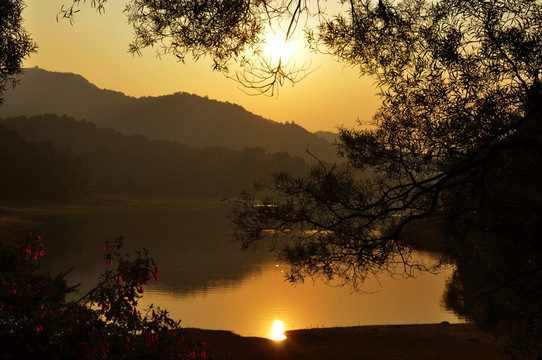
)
(36, 320)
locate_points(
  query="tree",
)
(15, 43)
(456, 143)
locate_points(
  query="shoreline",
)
(107, 202)
(375, 342)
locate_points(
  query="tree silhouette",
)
(456, 144)
(15, 43)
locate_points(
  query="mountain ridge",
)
(187, 118)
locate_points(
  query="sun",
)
(277, 332)
(277, 49)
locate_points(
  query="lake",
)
(208, 282)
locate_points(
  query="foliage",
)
(496, 245)
(229, 32)
(15, 42)
(38, 321)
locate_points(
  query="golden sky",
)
(95, 46)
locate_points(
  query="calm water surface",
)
(207, 282)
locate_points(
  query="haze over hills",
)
(186, 118)
(328, 135)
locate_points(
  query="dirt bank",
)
(405, 342)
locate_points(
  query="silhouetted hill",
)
(35, 171)
(182, 117)
(329, 136)
(115, 163)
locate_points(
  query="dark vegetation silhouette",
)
(15, 44)
(39, 321)
(59, 158)
(189, 119)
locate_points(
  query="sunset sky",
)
(95, 46)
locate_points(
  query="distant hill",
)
(99, 160)
(35, 171)
(182, 117)
(329, 136)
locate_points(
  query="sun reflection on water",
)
(250, 307)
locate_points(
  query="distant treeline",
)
(35, 170)
(50, 157)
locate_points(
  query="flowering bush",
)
(36, 321)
